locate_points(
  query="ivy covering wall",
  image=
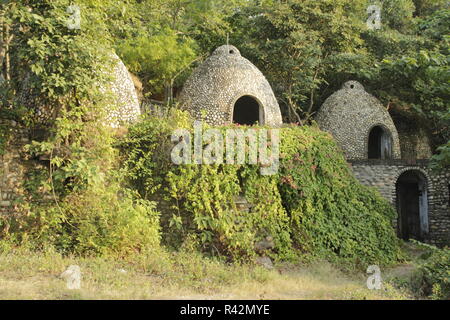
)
(313, 206)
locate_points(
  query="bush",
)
(105, 221)
(102, 223)
(313, 205)
(332, 215)
(199, 200)
(434, 273)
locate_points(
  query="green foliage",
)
(434, 272)
(426, 7)
(332, 215)
(54, 65)
(306, 48)
(312, 206)
(76, 203)
(397, 14)
(198, 200)
(161, 58)
(104, 220)
(146, 149)
(442, 158)
(410, 64)
(4, 138)
(159, 40)
(296, 43)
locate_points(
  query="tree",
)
(168, 36)
(411, 70)
(297, 43)
(160, 59)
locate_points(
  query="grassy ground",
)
(161, 275)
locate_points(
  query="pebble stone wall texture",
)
(220, 81)
(349, 114)
(125, 105)
(124, 102)
(383, 175)
(414, 141)
(12, 168)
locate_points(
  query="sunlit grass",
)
(182, 275)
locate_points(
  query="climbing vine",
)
(313, 205)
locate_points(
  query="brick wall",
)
(383, 175)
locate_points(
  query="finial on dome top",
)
(353, 85)
(227, 49)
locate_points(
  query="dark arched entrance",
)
(412, 205)
(247, 111)
(379, 143)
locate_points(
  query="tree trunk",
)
(2, 42)
(5, 41)
(291, 106)
(168, 93)
(7, 56)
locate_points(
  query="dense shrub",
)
(332, 214)
(434, 273)
(199, 200)
(94, 221)
(313, 205)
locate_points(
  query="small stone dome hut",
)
(124, 106)
(360, 124)
(227, 88)
(125, 103)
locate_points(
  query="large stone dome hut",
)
(227, 88)
(360, 124)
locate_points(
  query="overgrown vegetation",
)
(313, 205)
(94, 191)
(434, 272)
(72, 200)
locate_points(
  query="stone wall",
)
(415, 141)
(383, 175)
(12, 167)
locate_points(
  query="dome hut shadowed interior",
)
(227, 88)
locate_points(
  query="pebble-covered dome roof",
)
(223, 78)
(350, 114)
(125, 104)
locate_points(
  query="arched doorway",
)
(379, 143)
(247, 111)
(412, 205)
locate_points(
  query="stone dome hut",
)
(125, 103)
(124, 106)
(391, 155)
(227, 88)
(360, 124)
